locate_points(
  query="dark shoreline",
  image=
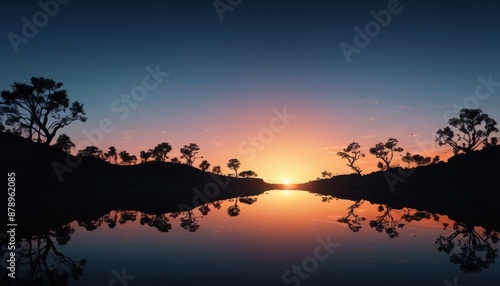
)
(460, 188)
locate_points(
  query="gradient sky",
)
(226, 77)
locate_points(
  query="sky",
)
(280, 85)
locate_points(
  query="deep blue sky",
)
(226, 76)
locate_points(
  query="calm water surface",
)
(277, 238)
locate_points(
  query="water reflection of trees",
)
(386, 222)
(234, 210)
(473, 249)
(39, 262)
(469, 246)
(352, 219)
(417, 215)
(158, 221)
(189, 220)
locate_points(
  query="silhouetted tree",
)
(416, 159)
(352, 153)
(248, 174)
(247, 200)
(234, 164)
(325, 199)
(204, 209)
(175, 160)
(145, 155)
(126, 216)
(418, 215)
(386, 222)
(189, 222)
(90, 225)
(385, 152)
(435, 160)
(160, 151)
(64, 143)
(470, 131)
(39, 262)
(234, 210)
(217, 204)
(126, 158)
(493, 142)
(326, 174)
(475, 251)
(352, 219)
(92, 152)
(217, 170)
(110, 219)
(40, 108)
(111, 155)
(159, 221)
(189, 153)
(204, 165)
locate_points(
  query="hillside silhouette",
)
(460, 188)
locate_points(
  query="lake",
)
(281, 237)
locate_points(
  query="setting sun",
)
(286, 181)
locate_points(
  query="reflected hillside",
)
(188, 220)
(471, 247)
(458, 188)
(39, 262)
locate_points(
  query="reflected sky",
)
(249, 240)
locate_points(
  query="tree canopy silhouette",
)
(475, 251)
(217, 170)
(418, 160)
(204, 165)
(40, 262)
(234, 210)
(127, 159)
(145, 155)
(189, 153)
(234, 164)
(64, 143)
(386, 222)
(472, 128)
(160, 151)
(326, 174)
(385, 152)
(111, 155)
(352, 154)
(92, 152)
(248, 174)
(40, 109)
(353, 219)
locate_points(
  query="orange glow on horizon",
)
(296, 152)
